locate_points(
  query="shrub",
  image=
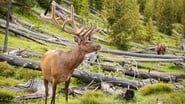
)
(26, 74)
(6, 70)
(6, 96)
(79, 82)
(7, 81)
(4, 66)
(156, 89)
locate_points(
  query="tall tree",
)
(25, 5)
(183, 16)
(7, 26)
(167, 12)
(149, 9)
(142, 4)
(123, 18)
(96, 4)
(3, 8)
(81, 7)
(84, 8)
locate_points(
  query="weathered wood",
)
(144, 75)
(20, 62)
(25, 32)
(142, 55)
(127, 94)
(143, 59)
(25, 53)
(180, 64)
(35, 86)
(88, 76)
(42, 31)
(7, 26)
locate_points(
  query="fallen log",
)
(35, 86)
(42, 31)
(180, 64)
(28, 33)
(116, 52)
(127, 94)
(24, 53)
(121, 59)
(144, 75)
(140, 74)
(88, 76)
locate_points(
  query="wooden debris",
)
(35, 86)
(127, 94)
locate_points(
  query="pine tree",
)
(123, 18)
(84, 9)
(81, 7)
(149, 9)
(25, 5)
(167, 12)
(183, 16)
(3, 8)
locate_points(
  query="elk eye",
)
(86, 43)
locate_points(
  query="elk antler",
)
(79, 32)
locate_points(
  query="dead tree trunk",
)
(144, 75)
(33, 85)
(7, 26)
(88, 76)
(142, 55)
(27, 33)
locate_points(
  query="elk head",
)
(81, 34)
(57, 66)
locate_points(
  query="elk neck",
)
(77, 56)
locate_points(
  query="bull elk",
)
(161, 48)
(57, 66)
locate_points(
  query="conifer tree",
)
(149, 9)
(123, 18)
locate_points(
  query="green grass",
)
(29, 45)
(95, 97)
(163, 66)
(6, 96)
(40, 23)
(6, 70)
(4, 81)
(156, 89)
(26, 74)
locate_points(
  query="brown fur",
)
(161, 48)
(57, 66)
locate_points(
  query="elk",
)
(58, 66)
(161, 48)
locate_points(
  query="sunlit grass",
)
(40, 23)
(163, 66)
(156, 89)
(18, 42)
(26, 74)
(8, 81)
(6, 96)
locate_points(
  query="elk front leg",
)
(66, 89)
(54, 86)
(46, 90)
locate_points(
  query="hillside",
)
(153, 78)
